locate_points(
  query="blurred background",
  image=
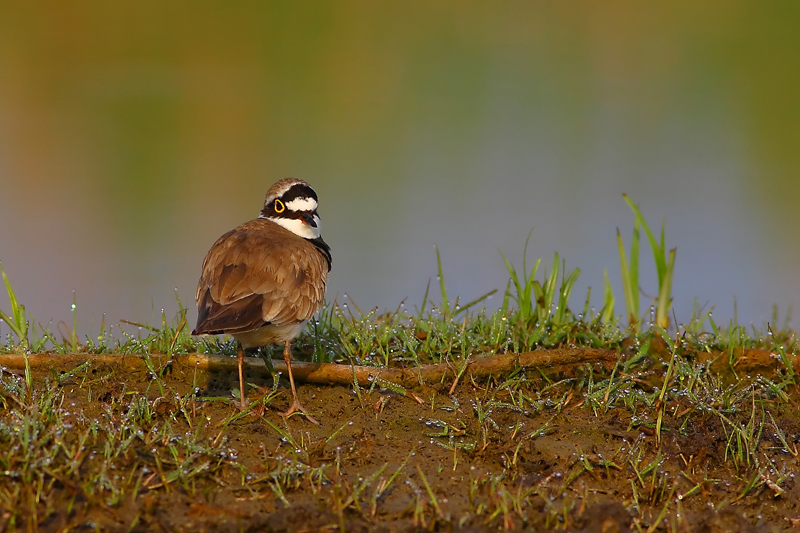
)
(133, 135)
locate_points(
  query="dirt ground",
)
(390, 462)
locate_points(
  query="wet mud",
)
(495, 455)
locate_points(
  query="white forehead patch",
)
(298, 227)
(302, 204)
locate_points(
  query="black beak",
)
(308, 218)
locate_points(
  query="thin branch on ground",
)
(340, 374)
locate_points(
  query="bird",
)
(262, 281)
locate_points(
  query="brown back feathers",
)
(259, 274)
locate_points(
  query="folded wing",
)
(259, 274)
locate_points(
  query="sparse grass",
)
(691, 414)
(106, 459)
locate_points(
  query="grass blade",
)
(664, 265)
(630, 274)
(16, 321)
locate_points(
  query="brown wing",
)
(258, 274)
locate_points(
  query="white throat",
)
(298, 227)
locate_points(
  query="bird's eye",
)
(279, 207)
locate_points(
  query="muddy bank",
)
(526, 451)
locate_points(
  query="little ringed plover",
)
(262, 281)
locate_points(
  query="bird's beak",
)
(309, 219)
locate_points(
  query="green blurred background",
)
(133, 135)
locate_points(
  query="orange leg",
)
(296, 405)
(240, 357)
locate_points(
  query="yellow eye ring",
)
(279, 207)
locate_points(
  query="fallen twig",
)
(339, 374)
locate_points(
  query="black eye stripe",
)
(299, 191)
(270, 211)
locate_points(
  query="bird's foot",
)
(297, 407)
(242, 404)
